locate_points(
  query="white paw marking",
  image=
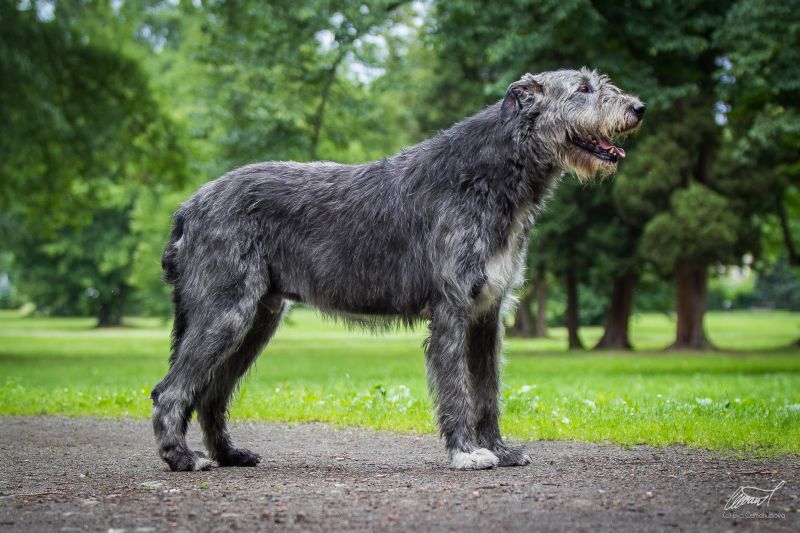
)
(480, 459)
(202, 463)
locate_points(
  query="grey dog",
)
(436, 232)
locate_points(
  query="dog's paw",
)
(202, 462)
(511, 455)
(238, 457)
(187, 461)
(479, 459)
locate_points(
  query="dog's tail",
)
(169, 261)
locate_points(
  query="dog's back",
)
(333, 236)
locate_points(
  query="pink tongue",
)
(608, 147)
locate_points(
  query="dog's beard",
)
(586, 166)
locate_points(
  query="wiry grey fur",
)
(438, 231)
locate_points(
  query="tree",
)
(282, 68)
(614, 268)
(103, 100)
(505, 40)
(696, 230)
(83, 134)
(760, 88)
(680, 186)
(526, 323)
(568, 240)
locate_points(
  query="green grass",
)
(745, 399)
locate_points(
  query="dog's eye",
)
(584, 89)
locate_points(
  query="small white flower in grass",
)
(590, 403)
(526, 388)
(565, 420)
(400, 393)
(703, 401)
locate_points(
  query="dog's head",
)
(574, 116)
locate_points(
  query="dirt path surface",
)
(62, 474)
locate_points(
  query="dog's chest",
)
(504, 268)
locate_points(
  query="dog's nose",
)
(638, 109)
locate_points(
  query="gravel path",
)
(62, 474)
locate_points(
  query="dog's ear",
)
(520, 94)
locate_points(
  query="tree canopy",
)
(114, 111)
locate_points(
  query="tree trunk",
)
(615, 336)
(110, 312)
(783, 217)
(523, 320)
(540, 288)
(108, 317)
(691, 285)
(572, 312)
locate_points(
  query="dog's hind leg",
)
(213, 325)
(484, 345)
(212, 406)
(449, 382)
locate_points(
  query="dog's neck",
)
(485, 165)
(502, 172)
(498, 163)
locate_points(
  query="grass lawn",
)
(745, 399)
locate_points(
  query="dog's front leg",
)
(449, 382)
(484, 343)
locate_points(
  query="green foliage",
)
(282, 79)
(760, 84)
(654, 294)
(80, 269)
(698, 228)
(731, 292)
(79, 120)
(113, 112)
(778, 287)
(760, 39)
(84, 135)
(644, 184)
(9, 296)
(150, 219)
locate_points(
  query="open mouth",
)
(599, 147)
